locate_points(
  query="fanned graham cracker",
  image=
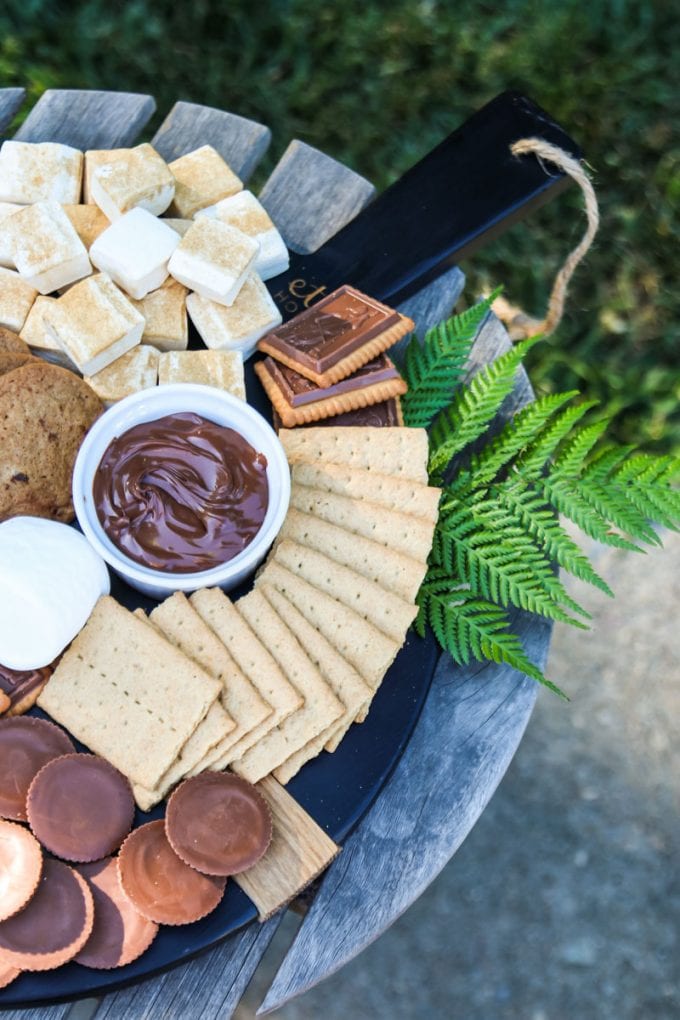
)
(299, 851)
(183, 627)
(388, 451)
(251, 656)
(386, 611)
(320, 709)
(411, 536)
(392, 570)
(400, 494)
(365, 647)
(127, 694)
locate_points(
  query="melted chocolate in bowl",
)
(181, 493)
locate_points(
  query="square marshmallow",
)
(214, 260)
(131, 178)
(239, 327)
(222, 369)
(246, 213)
(134, 251)
(179, 226)
(35, 334)
(202, 178)
(137, 370)
(94, 158)
(46, 248)
(6, 210)
(94, 323)
(16, 300)
(88, 221)
(40, 172)
(165, 317)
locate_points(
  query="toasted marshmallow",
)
(16, 299)
(134, 371)
(132, 178)
(6, 210)
(202, 178)
(239, 327)
(214, 260)
(165, 317)
(95, 158)
(94, 323)
(134, 251)
(222, 369)
(88, 221)
(35, 334)
(46, 248)
(40, 172)
(246, 213)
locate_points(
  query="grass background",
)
(377, 85)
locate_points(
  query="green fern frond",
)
(472, 628)
(532, 462)
(475, 405)
(571, 460)
(565, 496)
(434, 368)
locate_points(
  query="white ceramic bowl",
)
(216, 406)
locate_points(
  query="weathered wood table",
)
(473, 719)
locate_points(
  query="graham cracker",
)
(389, 451)
(252, 657)
(386, 611)
(127, 694)
(411, 536)
(364, 646)
(400, 494)
(392, 570)
(320, 708)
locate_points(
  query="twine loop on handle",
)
(519, 324)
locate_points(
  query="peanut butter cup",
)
(80, 807)
(8, 974)
(21, 864)
(120, 933)
(21, 688)
(26, 744)
(218, 823)
(162, 887)
(55, 924)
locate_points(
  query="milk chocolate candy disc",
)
(80, 807)
(20, 868)
(120, 933)
(26, 744)
(54, 926)
(161, 886)
(218, 823)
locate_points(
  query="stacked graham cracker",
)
(263, 684)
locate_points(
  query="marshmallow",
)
(95, 158)
(214, 260)
(134, 371)
(244, 212)
(88, 221)
(50, 578)
(134, 251)
(180, 226)
(94, 323)
(221, 369)
(39, 172)
(165, 317)
(238, 328)
(131, 178)
(35, 334)
(201, 178)
(16, 299)
(6, 210)
(46, 248)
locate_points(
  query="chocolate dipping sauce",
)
(181, 493)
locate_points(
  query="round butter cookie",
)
(11, 342)
(45, 412)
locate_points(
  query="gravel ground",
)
(563, 903)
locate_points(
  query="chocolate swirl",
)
(181, 493)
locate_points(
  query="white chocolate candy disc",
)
(50, 579)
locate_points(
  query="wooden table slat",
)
(241, 142)
(311, 197)
(469, 730)
(10, 101)
(87, 119)
(38, 1013)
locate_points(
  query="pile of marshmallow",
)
(126, 277)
